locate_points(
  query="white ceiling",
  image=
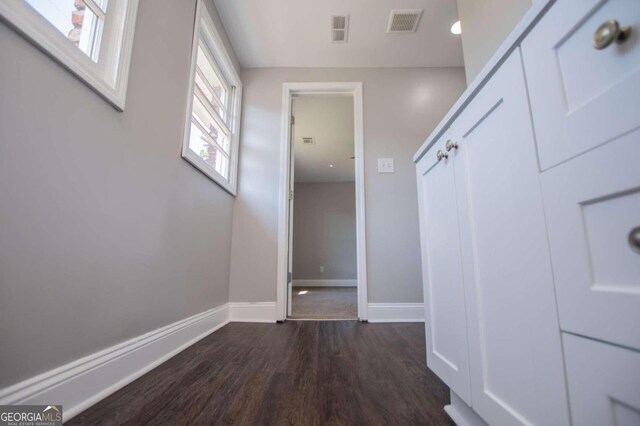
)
(329, 120)
(296, 33)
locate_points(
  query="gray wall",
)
(105, 232)
(485, 25)
(401, 107)
(324, 231)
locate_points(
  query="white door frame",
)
(342, 88)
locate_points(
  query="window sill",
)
(206, 170)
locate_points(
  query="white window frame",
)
(109, 76)
(206, 31)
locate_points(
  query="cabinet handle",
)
(634, 239)
(609, 32)
(451, 145)
(440, 155)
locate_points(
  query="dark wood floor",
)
(297, 373)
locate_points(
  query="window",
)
(91, 38)
(213, 118)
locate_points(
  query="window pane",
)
(209, 95)
(57, 12)
(90, 35)
(217, 86)
(222, 166)
(75, 21)
(208, 152)
(205, 119)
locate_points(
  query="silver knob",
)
(440, 155)
(451, 145)
(634, 239)
(609, 32)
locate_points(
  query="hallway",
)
(244, 212)
(299, 372)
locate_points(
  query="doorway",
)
(321, 236)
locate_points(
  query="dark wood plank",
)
(297, 373)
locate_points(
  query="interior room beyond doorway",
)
(324, 255)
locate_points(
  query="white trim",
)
(292, 190)
(352, 89)
(117, 59)
(325, 283)
(85, 381)
(396, 312)
(208, 31)
(252, 312)
(361, 241)
(461, 413)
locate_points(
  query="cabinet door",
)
(582, 97)
(604, 383)
(445, 321)
(515, 353)
(592, 205)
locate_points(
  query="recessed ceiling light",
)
(330, 165)
(456, 28)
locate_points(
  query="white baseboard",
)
(85, 381)
(461, 413)
(252, 312)
(396, 312)
(325, 283)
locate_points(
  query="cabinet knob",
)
(609, 32)
(634, 239)
(451, 145)
(440, 155)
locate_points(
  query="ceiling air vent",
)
(308, 141)
(404, 21)
(339, 28)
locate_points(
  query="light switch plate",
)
(385, 165)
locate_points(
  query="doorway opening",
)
(321, 241)
(322, 234)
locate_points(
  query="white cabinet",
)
(446, 328)
(514, 338)
(582, 97)
(540, 245)
(487, 274)
(604, 383)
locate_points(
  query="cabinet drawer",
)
(582, 97)
(604, 383)
(592, 206)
